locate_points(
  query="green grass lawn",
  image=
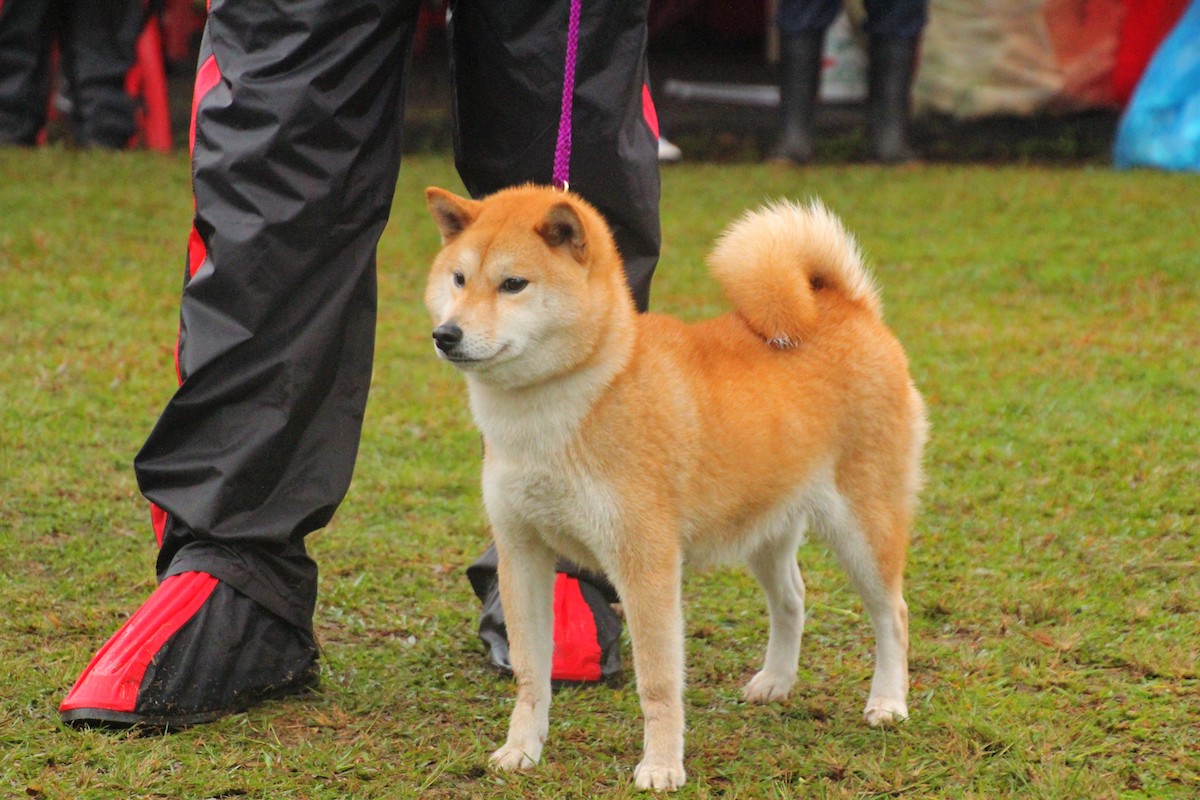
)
(1053, 322)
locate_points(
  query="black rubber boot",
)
(889, 80)
(799, 79)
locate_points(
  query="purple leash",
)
(562, 151)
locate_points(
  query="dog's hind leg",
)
(526, 573)
(775, 567)
(872, 554)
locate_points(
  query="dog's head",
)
(517, 289)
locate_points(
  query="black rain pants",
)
(96, 44)
(296, 152)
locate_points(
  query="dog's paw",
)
(885, 712)
(512, 757)
(659, 776)
(768, 686)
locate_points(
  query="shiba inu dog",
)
(635, 444)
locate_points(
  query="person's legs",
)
(894, 31)
(508, 77)
(899, 19)
(806, 16)
(296, 151)
(27, 29)
(98, 49)
(801, 25)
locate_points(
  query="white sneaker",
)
(667, 151)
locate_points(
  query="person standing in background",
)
(96, 42)
(893, 30)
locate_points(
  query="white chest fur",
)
(570, 510)
(532, 484)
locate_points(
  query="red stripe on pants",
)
(649, 111)
(207, 76)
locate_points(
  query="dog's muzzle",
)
(447, 337)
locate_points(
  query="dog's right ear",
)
(563, 227)
(451, 213)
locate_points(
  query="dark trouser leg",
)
(27, 28)
(899, 19)
(297, 147)
(296, 154)
(807, 16)
(98, 50)
(508, 75)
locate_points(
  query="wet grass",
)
(1050, 315)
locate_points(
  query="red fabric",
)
(208, 75)
(197, 252)
(148, 80)
(1083, 36)
(576, 647)
(114, 677)
(1146, 24)
(181, 21)
(648, 110)
(158, 520)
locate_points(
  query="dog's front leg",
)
(526, 573)
(650, 593)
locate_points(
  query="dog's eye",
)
(460, 280)
(513, 285)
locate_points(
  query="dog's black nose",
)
(447, 336)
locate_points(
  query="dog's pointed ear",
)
(451, 213)
(563, 227)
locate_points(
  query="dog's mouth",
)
(466, 361)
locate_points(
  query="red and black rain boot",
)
(587, 630)
(195, 651)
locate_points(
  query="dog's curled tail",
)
(773, 261)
